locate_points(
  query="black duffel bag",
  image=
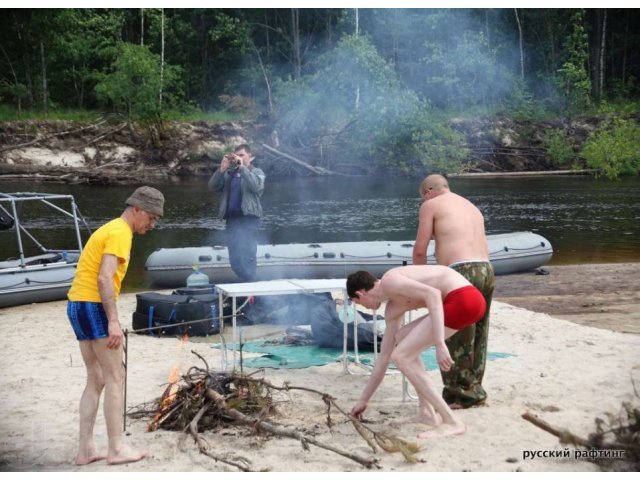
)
(171, 312)
(207, 294)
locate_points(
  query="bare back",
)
(403, 285)
(456, 225)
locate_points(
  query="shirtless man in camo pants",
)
(457, 226)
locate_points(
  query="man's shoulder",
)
(117, 226)
(450, 199)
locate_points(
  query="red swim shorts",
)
(463, 307)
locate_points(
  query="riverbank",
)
(108, 150)
(565, 373)
(603, 295)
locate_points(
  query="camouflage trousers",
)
(468, 347)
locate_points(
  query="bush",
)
(558, 149)
(614, 150)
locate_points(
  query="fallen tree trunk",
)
(286, 156)
(54, 135)
(523, 174)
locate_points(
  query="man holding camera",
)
(240, 186)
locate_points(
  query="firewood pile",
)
(207, 400)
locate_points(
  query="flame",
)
(174, 376)
(170, 392)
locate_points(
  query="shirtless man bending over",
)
(457, 226)
(453, 304)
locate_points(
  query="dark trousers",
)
(242, 244)
(468, 347)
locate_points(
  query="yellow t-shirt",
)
(113, 238)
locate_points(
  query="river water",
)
(586, 220)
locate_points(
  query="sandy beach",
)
(565, 373)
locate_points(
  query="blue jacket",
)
(252, 188)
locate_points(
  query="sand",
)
(567, 374)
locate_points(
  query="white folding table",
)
(275, 287)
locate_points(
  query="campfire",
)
(207, 400)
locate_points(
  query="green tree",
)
(85, 42)
(573, 77)
(389, 127)
(134, 85)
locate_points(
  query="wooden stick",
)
(565, 436)
(240, 463)
(286, 432)
(387, 442)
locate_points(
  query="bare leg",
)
(404, 356)
(89, 403)
(113, 372)
(426, 413)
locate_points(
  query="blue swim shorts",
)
(88, 319)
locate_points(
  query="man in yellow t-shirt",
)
(93, 315)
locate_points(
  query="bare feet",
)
(444, 430)
(431, 420)
(427, 414)
(125, 455)
(89, 456)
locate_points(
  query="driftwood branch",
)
(523, 174)
(285, 432)
(240, 463)
(104, 135)
(286, 156)
(565, 436)
(388, 443)
(57, 134)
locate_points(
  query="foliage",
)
(464, 72)
(18, 92)
(237, 103)
(8, 114)
(573, 77)
(520, 103)
(558, 149)
(375, 92)
(614, 150)
(355, 107)
(85, 40)
(134, 85)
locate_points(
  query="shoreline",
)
(583, 171)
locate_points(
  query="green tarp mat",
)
(303, 356)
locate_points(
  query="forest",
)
(356, 85)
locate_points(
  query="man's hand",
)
(358, 409)
(115, 335)
(444, 358)
(225, 163)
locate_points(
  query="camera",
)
(234, 162)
